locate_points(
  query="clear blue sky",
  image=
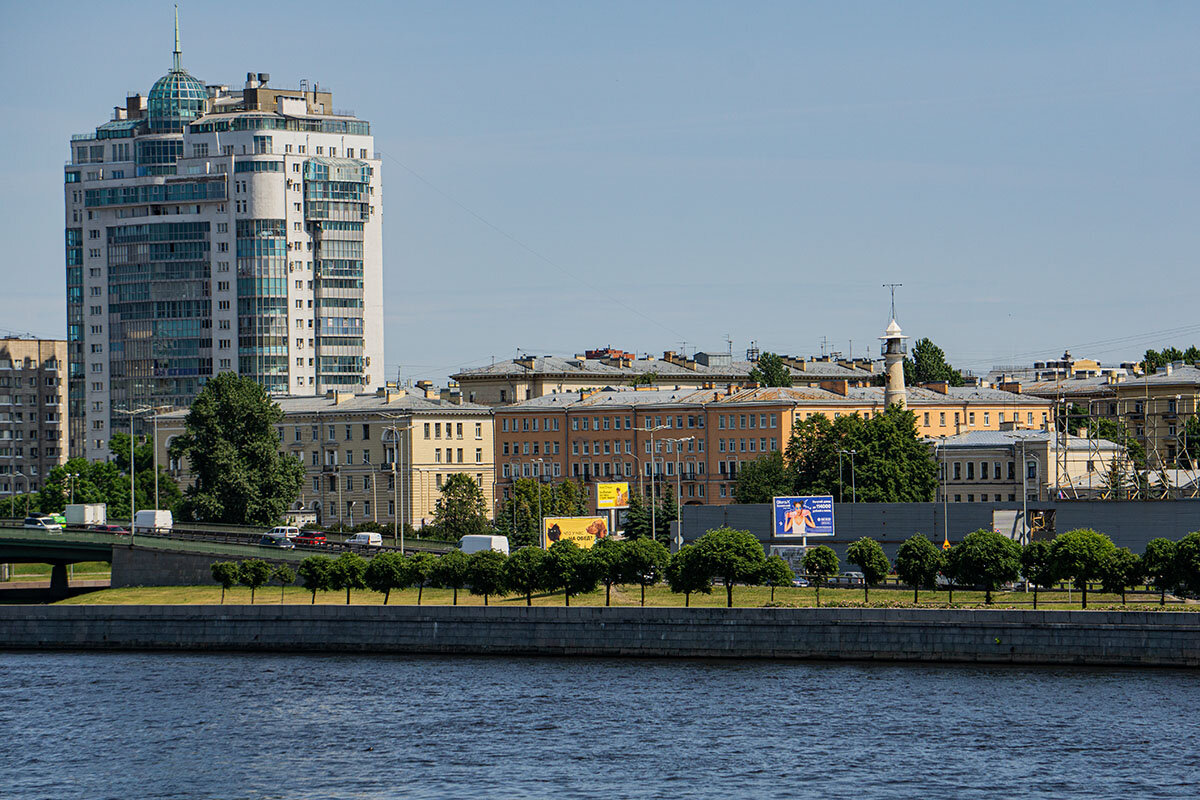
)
(567, 175)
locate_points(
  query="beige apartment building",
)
(33, 412)
(701, 437)
(521, 379)
(380, 457)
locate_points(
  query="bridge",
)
(178, 557)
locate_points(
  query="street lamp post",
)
(653, 497)
(678, 540)
(541, 523)
(132, 472)
(397, 518)
(337, 477)
(853, 481)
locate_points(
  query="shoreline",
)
(1084, 638)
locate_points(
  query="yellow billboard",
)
(583, 531)
(612, 495)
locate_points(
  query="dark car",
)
(281, 542)
(309, 537)
(114, 529)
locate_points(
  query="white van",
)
(286, 531)
(152, 521)
(367, 539)
(474, 543)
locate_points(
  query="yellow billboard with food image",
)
(612, 495)
(583, 531)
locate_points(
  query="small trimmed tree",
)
(348, 572)
(1158, 564)
(420, 571)
(988, 559)
(226, 574)
(286, 577)
(645, 561)
(485, 573)
(612, 564)
(820, 563)
(918, 562)
(316, 573)
(1079, 556)
(254, 573)
(450, 571)
(775, 572)
(868, 556)
(731, 556)
(1120, 570)
(1187, 562)
(570, 568)
(1038, 567)
(385, 572)
(687, 573)
(523, 572)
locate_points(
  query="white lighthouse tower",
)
(894, 349)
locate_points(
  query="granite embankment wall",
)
(1169, 639)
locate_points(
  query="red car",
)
(117, 529)
(310, 537)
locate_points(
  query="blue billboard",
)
(803, 516)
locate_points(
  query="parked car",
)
(286, 531)
(799, 582)
(369, 539)
(310, 537)
(116, 529)
(42, 524)
(281, 542)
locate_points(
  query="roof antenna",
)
(175, 56)
(893, 287)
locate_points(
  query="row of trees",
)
(1155, 360)
(518, 515)
(253, 573)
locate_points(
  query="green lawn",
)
(744, 596)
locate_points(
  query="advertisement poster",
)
(803, 516)
(583, 531)
(612, 495)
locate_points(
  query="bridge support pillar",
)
(58, 578)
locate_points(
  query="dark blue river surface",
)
(288, 726)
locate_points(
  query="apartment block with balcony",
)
(33, 412)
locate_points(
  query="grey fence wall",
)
(1130, 524)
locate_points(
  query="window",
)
(479, 430)
(942, 419)
(426, 430)
(958, 470)
(1031, 469)
(970, 470)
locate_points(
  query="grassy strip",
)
(743, 596)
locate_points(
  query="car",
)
(42, 524)
(799, 582)
(281, 542)
(286, 531)
(365, 538)
(310, 537)
(114, 529)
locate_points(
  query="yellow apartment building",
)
(33, 412)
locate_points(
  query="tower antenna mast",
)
(893, 287)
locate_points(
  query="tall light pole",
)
(397, 521)
(132, 472)
(653, 497)
(945, 488)
(853, 481)
(541, 523)
(678, 541)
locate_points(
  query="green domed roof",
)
(176, 98)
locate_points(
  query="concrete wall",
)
(1130, 524)
(142, 566)
(1027, 637)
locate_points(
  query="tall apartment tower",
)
(213, 230)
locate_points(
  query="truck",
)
(474, 543)
(153, 521)
(80, 514)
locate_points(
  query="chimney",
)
(525, 361)
(941, 387)
(1010, 386)
(836, 386)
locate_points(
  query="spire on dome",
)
(175, 56)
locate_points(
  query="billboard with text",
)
(803, 516)
(612, 495)
(583, 531)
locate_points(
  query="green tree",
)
(420, 571)
(1038, 567)
(385, 572)
(1189, 454)
(226, 574)
(1120, 570)
(349, 571)
(928, 365)
(286, 577)
(100, 482)
(241, 473)
(612, 564)
(820, 563)
(644, 379)
(688, 573)
(988, 559)
(523, 572)
(461, 510)
(1191, 355)
(762, 479)
(450, 571)
(1187, 563)
(1158, 563)
(771, 371)
(775, 572)
(518, 515)
(568, 567)
(169, 494)
(637, 517)
(1071, 418)
(254, 573)
(731, 556)
(1079, 556)
(316, 572)
(918, 562)
(485, 573)
(1152, 361)
(645, 562)
(867, 555)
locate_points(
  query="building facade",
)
(695, 441)
(33, 412)
(380, 457)
(209, 230)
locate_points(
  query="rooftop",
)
(615, 369)
(982, 439)
(365, 404)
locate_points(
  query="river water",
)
(290, 726)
